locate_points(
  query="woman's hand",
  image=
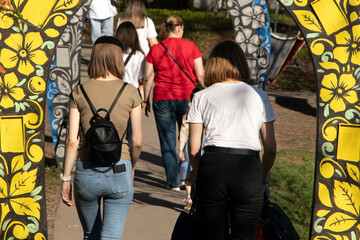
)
(146, 108)
(66, 193)
(181, 156)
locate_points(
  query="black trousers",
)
(229, 191)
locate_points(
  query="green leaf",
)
(33, 97)
(16, 29)
(287, 2)
(321, 104)
(26, 166)
(2, 174)
(17, 107)
(22, 106)
(48, 44)
(320, 71)
(36, 191)
(4, 226)
(30, 131)
(39, 71)
(25, 28)
(26, 104)
(37, 197)
(312, 35)
(327, 110)
(21, 83)
(68, 12)
(40, 99)
(35, 140)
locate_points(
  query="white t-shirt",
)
(135, 68)
(232, 114)
(144, 34)
(101, 9)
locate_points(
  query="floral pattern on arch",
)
(26, 51)
(332, 31)
(252, 32)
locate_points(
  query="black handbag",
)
(276, 225)
(183, 229)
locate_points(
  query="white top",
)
(232, 114)
(101, 9)
(135, 68)
(144, 34)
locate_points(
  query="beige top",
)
(102, 95)
(184, 130)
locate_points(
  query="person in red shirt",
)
(174, 83)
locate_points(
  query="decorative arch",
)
(29, 32)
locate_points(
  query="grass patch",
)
(291, 187)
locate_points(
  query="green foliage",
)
(198, 24)
(283, 17)
(291, 186)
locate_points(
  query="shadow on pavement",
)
(144, 197)
(145, 177)
(295, 104)
(152, 158)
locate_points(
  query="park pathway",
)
(154, 209)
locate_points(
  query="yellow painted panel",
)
(37, 11)
(349, 142)
(12, 137)
(330, 15)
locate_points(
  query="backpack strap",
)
(93, 110)
(177, 63)
(116, 99)
(128, 57)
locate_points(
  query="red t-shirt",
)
(170, 81)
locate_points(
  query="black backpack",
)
(103, 139)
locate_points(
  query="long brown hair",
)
(135, 12)
(127, 35)
(227, 61)
(106, 58)
(171, 22)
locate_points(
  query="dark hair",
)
(171, 22)
(127, 35)
(106, 58)
(227, 61)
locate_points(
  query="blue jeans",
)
(91, 184)
(101, 27)
(167, 114)
(185, 167)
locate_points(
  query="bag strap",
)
(128, 57)
(93, 110)
(178, 63)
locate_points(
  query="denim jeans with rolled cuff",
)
(93, 184)
(167, 114)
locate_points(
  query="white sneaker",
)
(182, 185)
(177, 189)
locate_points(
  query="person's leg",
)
(95, 26)
(181, 109)
(245, 194)
(165, 118)
(118, 193)
(211, 197)
(107, 27)
(87, 200)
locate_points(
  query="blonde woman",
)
(135, 12)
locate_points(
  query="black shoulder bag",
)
(177, 63)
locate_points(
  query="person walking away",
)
(94, 182)
(230, 175)
(172, 90)
(133, 54)
(101, 17)
(136, 13)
